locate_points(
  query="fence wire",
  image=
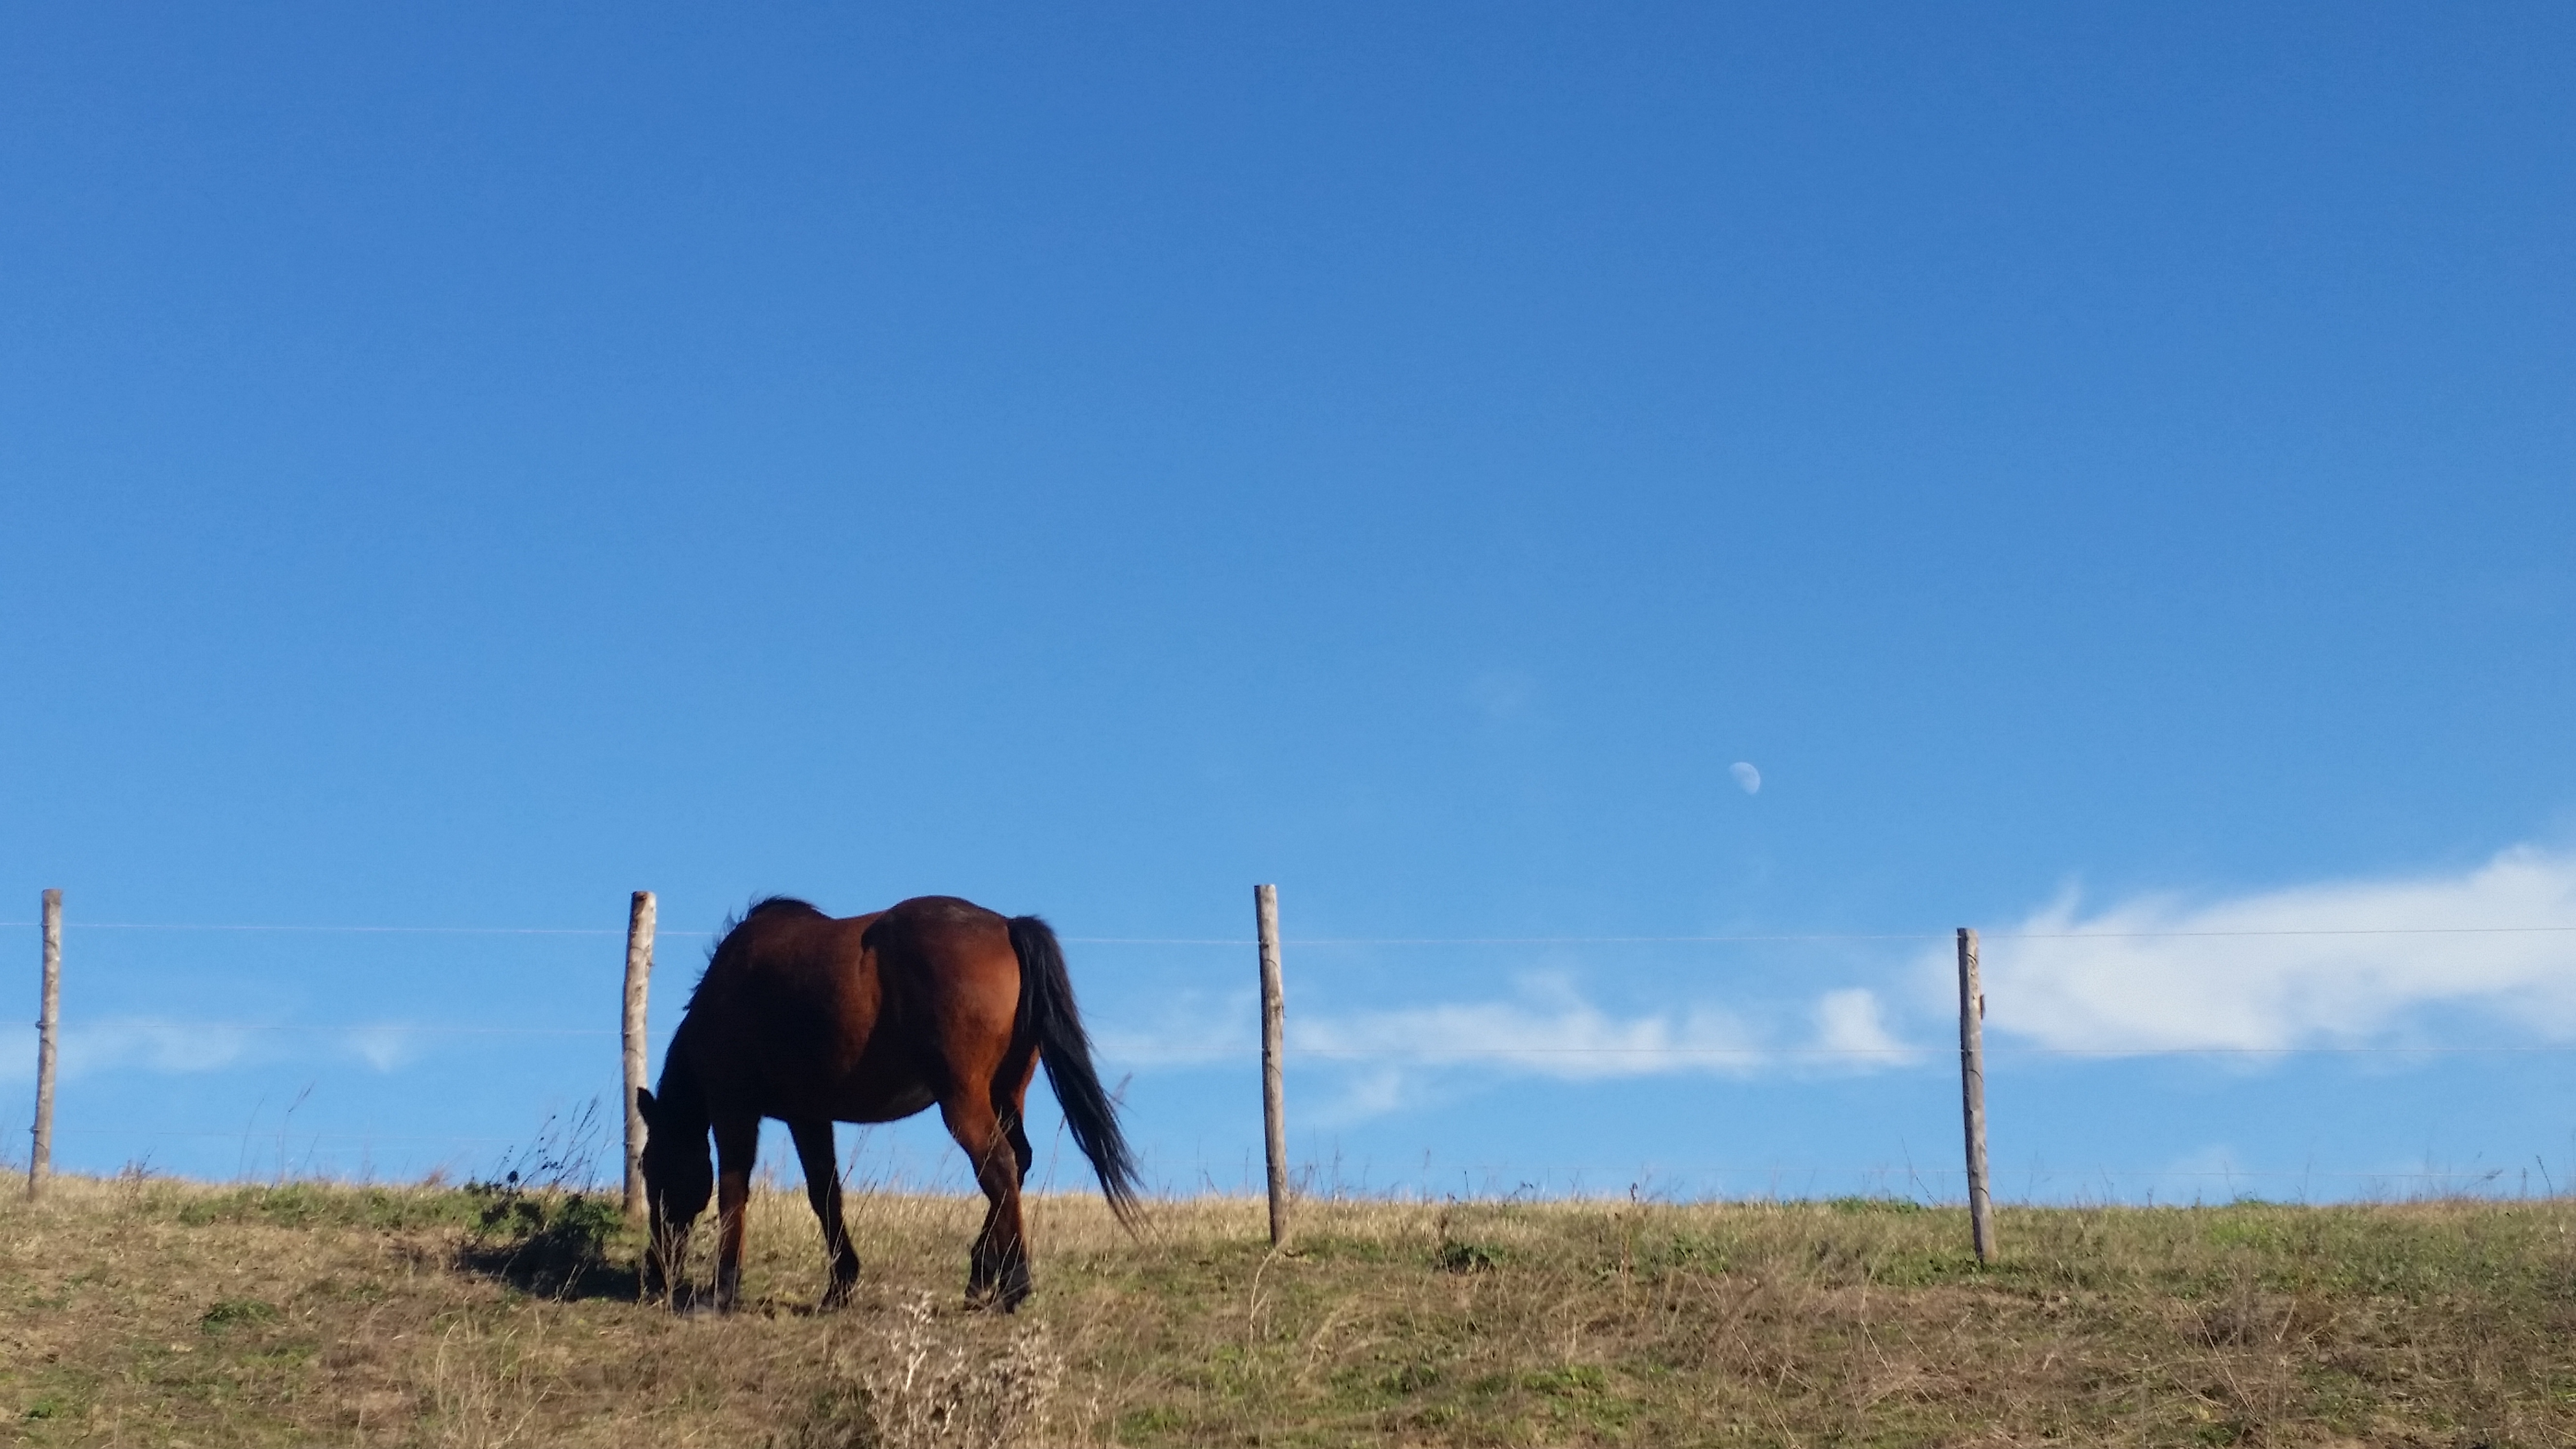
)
(1679, 1057)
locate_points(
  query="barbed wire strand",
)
(271, 1134)
(1774, 1170)
(1677, 1056)
(1898, 1053)
(2488, 1174)
(1233, 941)
(152, 1023)
(1432, 1056)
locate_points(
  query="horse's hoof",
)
(1005, 1298)
(845, 1278)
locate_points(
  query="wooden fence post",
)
(1274, 1017)
(639, 976)
(1972, 1091)
(49, 1010)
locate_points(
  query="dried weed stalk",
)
(913, 1386)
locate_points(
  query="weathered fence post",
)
(1274, 1018)
(1972, 1091)
(639, 975)
(49, 1010)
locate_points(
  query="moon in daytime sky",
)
(1746, 776)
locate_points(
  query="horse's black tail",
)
(1048, 1017)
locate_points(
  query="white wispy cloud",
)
(1410, 1057)
(149, 1045)
(2358, 962)
(1544, 1030)
(383, 1047)
(186, 1048)
(1850, 1024)
(1382, 1060)
(1187, 1030)
(1549, 1030)
(2333, 963)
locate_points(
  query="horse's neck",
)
(679, 1095)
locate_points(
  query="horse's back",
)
(853, 1017)
(783, 953)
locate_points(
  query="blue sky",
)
(2108, 469)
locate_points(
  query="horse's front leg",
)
(823, 1189)
(737, 1143)
(666, 1260)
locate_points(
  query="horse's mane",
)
(765, 906)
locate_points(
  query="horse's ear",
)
(644, 1102)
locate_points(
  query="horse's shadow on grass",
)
(548, 1245)
(541, 1273)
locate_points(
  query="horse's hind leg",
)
(1020, 1147)
(998, 1270)
(823, 1190)
(737, 1144)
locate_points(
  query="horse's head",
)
(679, 1177)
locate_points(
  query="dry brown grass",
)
(166, 1313)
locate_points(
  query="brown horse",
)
(814, 1021)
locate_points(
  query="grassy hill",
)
(149, 1311)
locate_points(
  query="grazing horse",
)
(814, 1021)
